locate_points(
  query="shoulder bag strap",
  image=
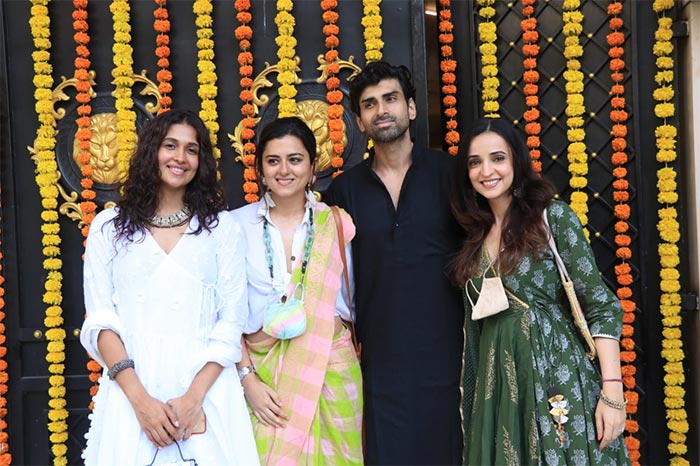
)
(576, 310)
(341, 245)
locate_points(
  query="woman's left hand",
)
(610, 422)
(187, 409)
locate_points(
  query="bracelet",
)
(611, 380)
(118, 367)
(612, 403)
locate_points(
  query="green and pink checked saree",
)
(316, 374)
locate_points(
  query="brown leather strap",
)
(341, 244)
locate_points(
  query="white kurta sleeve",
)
(97, 284)
(342, 305)
(224, 346)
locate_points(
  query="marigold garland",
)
(334, 96)
(531, 77)
(576, 150)
(244, 34)
(287, 64)
(5, 456)
(83, 135)
(206, 78)
(669, 232)
(489, 61)
(123, 81)
(448, 66)
(161, 24)
(623, 271)
(47, 180)
(372, 24)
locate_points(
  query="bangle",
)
(118, 367)
(611, 380)
(612, 403)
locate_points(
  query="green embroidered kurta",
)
(533, 346)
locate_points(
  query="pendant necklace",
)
(177, 219)
(307, 249)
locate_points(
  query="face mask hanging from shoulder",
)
(492, 297)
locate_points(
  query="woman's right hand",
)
(157, 420)
(265, 403)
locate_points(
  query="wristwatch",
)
(243, 371)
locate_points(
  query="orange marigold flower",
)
(80, 14)
(332, 42)
(618, 158)
(449, 101)
(621, 196)
(614, 8)
(533, 141)
(448, 78)
(532, 100)
(622, 240)
(533, 128)
(530, 89)
(248, 110)
(337, 162)
(528, 24)
(618, 89)
(530, 63)
(334, 97)
(617, 77)
(617, 64)
(249, 148)
(166, 101)
(621, 226)
(616, 23)
(164, 75)
(624, 280)
(531, 50)
(82, 51)
(165, 88)
(331, 55)
(333, 68)
(619, 144)
(615, 39)
(338, 148)
(450, 112)
(622, 269)
(248, 122)
(246, 95)
(627, 330)
(445, 51)
(244, 17)
(245, 58)
(621, 185)
(535, 154)
(248, 160)
(247, 133)
(528, 10)
(163, 63)
(627, 344)
(453, 150)
(616, 52)
(161, 26)
(619, 130)
(332, 83)
(451, 124)
(250, 187)
(81, 63)
(335, 112)
(243, 32)
(625, 254)
(330, 16)
(531, 115)
(619, 172)
(530, 37)
(445, 26)
(452, 137)
(531, 76)
(628, 371)
(622, 211)
(246, 82)
(162, 51)
(628, 356)
(617, 102)
(449, 89)
(448, 66)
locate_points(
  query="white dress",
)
(174, 312)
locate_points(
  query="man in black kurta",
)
(409, 316)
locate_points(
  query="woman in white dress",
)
(166, 301)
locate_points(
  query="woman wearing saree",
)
(302, 381)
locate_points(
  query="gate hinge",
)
(689, 302)
(680, 29)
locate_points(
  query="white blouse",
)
(260, 285)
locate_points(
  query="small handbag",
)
(576, 310)
(285, 317)
(181, 462)
(492, 297)
(339, 229)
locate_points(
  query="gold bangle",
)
(612, 403)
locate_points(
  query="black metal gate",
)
(410, 37)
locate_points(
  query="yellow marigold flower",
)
(669, 261)
(673, 321)
(663, 94)
(56, 392)
(577, 182)
(662, 5)
(488, 27)
(666, 143)
(487, 12)
(666, 131)
(667, 186)
(57, 368)
(491, 106)
(579, 197)
(670, 285)
(57, 380)
(58, 437)
(676, 449)
(58, 414)
(678, 426)
(487, 49)
(664, 110)
(489, 94)
(491, 83)
(667, 198)
(662, 77)
(59, 450)
(574, 87)
(663, 48)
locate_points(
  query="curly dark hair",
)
(375, 72)
(524, 231)
(139, 193)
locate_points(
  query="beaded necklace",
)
(180, 217)
(307, 246)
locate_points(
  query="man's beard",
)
(390, 134)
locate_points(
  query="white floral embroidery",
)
(538, 278)
(563, 374)
(524, 266)
(552, 457)
(578, 425)
(579, 458)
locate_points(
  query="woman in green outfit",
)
(538, 399)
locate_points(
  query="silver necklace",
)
(173, 220)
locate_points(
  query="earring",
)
(515, 192)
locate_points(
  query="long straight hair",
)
(524, 231)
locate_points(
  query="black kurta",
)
(409, 317)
